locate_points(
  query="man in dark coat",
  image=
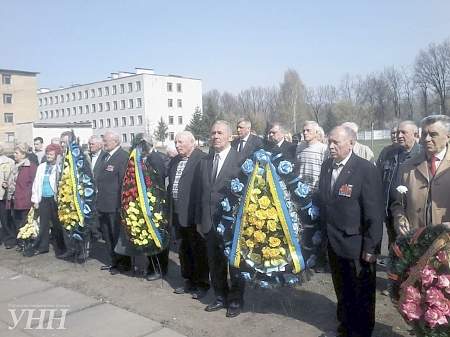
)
(215, 174)
(109, 186)
(351, 214)
(246, 143)
(276, 142)
(96, 154)
(182, 189)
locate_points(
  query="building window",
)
(100, 107)
(124, 137)
(114, 90)
(41, 115)
(108, 122)
(179, 103)
(131, 103)
(6, 79)
(124, 121)
(80, 110)
(170, 120)
(171, 136)
(62, 112)
(122, 104)
(46, 114)
(169, 86)
(132, 120)
(130, 87)
(107, 106)
(7, 99)
(115, 105)
(40, 101)
(138, 102)
(86, 109)
(10, 137)
(170, 102)
(74, 111)
(139, 121)
(51, 113)
(92, 92)
(51, 100)
(100, 124)
(100, 92)
(61, 98)
(56, 113)
(80, 96)
(94, 109)
(106, 91)
(73, 96)
(67, 97)
(180, 120)
(8, 117)
(179, 87)
(122, 88)
(94, 124)
(86, 94)
(56, 99)
(68, 112)
(45, 101)
(131, 137)
(138, 86)
(116, 121)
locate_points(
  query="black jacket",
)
(188, 188)
(109, 181)
(253, 144)
(287, 149)
(211, 195)
(352, 220)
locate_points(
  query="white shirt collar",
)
(280, 143)
(345, 160)
(111, 153)
(245, 139)
(224, 153)
(441, 154)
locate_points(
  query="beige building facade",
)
(18, 103)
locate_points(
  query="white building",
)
(128, 103)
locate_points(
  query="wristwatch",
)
(371, 258)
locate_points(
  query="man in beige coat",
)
(6, 165)
(427, 180)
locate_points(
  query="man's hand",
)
(199, 230)
(369, 258)
(402, 226)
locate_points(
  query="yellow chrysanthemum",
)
(259, 224)
(249, 231)
(274, 242)
(251, 208)
(250, 243)
(272, 213)
(264, 202)
(259, 236)
(261, 214)
(271, 225)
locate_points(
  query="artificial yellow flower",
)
(272, 213)
(271, 225)
(259, 236)
(250, 243)
(274, 242)
(264, 202)
(252, 207)
(249, 231)
(261, 214)
(157, 216)
(259, 224)
(256, 258)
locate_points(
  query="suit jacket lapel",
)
(444, 165)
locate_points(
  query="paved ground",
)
(103, 305)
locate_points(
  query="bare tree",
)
(394, 81)
(292, 96)
(409, 89)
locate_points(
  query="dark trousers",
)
(48, 218)
(159, 263)
(354, 283)
(110, 225)
(218, 268)
(390, 229)
(4, 218)
(193, 256)
(13, 224)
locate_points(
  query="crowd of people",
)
(356, 195)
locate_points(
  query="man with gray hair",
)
(96, 152)
(183, 193)
(426, 178)
(246, 143)
(6, 166)
(359, 149)
(109, 185)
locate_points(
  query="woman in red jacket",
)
(19, 185)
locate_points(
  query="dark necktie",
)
(241, 145)
(215, 167)
(106, 156)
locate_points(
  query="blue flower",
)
(264, 284)
(236, 185)
(316, 238)
(226, 251)
(285, 167)
(262, 156)
(302, 190)
(313, 212)
(248, 166)
(290, 279)
(226, 205)
(311, 262)
(220, 229)
(246, 276)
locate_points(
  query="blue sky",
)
(230, 45)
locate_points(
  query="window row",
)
(99, 107)
(170, 103)
(170, 87)
(6, 78)
(114, 122)
(8, 118)
(172, 120)
(7, 98)
(90, 93)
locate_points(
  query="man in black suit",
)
(246, 143)
(96, 153)
(215, 174)
(182, 195)
(109, 186)
(278, 144)
(351, 214)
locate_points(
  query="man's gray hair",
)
(348, 131)
(95, 139)
(246, 122)
(352, 126)
(313, 123)
(114, 135)
(410, 123)
(226, 124)
(444, 119)
(283, 129)
(187, 135)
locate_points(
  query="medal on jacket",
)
(345, 190)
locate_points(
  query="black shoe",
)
(67, 255)
(113, 271)
(216, 305)
(106, 267)
(233, 310)
(188, 288)
(199, 293)
(153, 276)
(9, 246)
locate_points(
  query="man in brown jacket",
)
(427, 180)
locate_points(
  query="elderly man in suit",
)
(215, 174)
(246, 143)
(276, 142)
(109, 186)
(96, 152)
(427, 179)
(351, 214)
(183, 188)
